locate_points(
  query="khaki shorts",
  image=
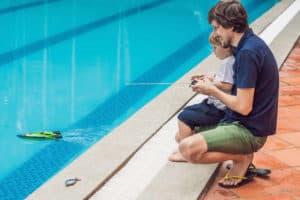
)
(231, 138)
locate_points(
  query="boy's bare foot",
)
(176, 157)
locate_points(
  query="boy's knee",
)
(181, 116)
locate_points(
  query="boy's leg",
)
(183, 131)
(198, 115)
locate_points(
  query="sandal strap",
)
(228, 176)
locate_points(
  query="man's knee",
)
(192, 148)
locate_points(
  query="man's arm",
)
(226, 87)
(241, 103)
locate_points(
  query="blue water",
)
(70, 65)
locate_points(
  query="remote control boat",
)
(42, 135)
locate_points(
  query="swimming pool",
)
(81, 69)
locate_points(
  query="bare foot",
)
(176, 157)
(239, 168)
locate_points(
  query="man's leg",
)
(203, 115)
(194, 149)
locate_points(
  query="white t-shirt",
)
(224, 74)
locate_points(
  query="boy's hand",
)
(210, 77)
(202, 77)
(198, 77)
(205, 86)
(194, 82)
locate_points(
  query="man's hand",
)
(204, 86)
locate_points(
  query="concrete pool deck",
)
(105, 162)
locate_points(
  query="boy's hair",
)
(215, 40)
(230, 14)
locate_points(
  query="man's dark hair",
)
(230, 14)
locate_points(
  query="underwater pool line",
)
(28, 49)
(26, 6)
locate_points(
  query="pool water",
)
(77, 67)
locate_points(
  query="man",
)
(251, 113)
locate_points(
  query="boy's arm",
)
(241, 103)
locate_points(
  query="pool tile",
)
(282, 84)
(291, 72)
(289, 178)
(285, 112)
(297, 96)
(288, 67)
(281, 181)
(288, 101)
(292, 138)
(254, 188)
(293, 59)
(275, 143)
(288, 156)
(295, 108)
(295, 53)
(294, 116)
(281, 196)
(287, 125)
(283, 74)
(263, 160)
(294, 63)
(296, 193)
(291, 80)
(293, 69)
(290, 90)
(218, 193)
(297, 168)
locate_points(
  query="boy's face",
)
(224, 34)
(221, 52)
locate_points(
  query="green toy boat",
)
(43, 135)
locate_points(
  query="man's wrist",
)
(214, 91)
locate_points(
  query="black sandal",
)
(260, 172)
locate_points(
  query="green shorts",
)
(231, 138)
